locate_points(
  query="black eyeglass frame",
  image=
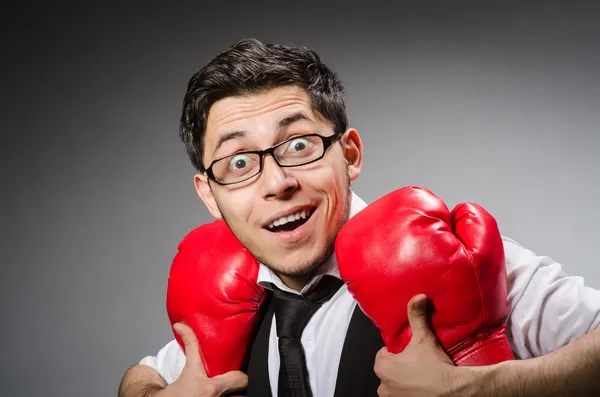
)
(327, 142)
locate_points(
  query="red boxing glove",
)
(212, 287)
(407, 243)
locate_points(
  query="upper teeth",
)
(290, 218)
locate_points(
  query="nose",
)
(276, 182)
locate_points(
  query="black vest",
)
(355, 373)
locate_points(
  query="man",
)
(254, 96)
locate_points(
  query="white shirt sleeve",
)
(547, 308)
(169, 361)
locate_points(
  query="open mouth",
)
(290, 222)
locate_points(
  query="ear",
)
(353, 152)
(206, 195)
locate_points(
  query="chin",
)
(297, 267)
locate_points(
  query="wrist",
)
(471, 381)
(500, 379)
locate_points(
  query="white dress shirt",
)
(547, 309)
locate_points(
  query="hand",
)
(423, 369)
(193, 381)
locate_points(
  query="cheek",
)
(336, 180)
(334, 174)
(333, 183)
(235, 206)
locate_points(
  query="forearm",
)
(573, 370)
(141, 381)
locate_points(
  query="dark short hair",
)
(250, 67)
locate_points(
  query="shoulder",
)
(523, 261)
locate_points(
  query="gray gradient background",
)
(497, 104)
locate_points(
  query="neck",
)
(296, 282)
(299, 281)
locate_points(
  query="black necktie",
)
(292, 313)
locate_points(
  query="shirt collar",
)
(267, 278)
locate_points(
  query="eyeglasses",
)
(294, 152)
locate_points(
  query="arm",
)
(572, 370)
(553, 327)
(144, 381)
(141, 381)
(154, 373)
(548, 309)
(424, 369)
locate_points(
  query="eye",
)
(298, 145)
(240, 162)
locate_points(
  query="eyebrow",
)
(228, 137)
(283, 123)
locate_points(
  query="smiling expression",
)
(287, 218)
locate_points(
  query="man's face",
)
(318, 193)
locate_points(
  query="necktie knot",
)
(292, 312)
